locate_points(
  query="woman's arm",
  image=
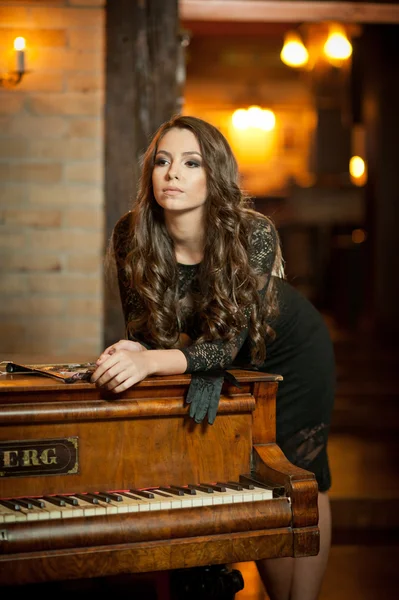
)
(220, 354)
(125, 367)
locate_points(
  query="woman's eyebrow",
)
(183, 153)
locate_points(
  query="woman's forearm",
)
(166, 362)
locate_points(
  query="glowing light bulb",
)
(19, 43)
(267, 120)
(294, 53)
(356, 167)
(240, 119)
(337, 46)
(254, 115)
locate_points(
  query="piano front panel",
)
(116, 453)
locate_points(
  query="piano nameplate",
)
(27, 458)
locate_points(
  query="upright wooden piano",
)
(96, 484)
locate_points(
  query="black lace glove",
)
(204, 393)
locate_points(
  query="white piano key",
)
(187, 502)
(139, 504)
(35, 514)
(110, 508)
(166, 502)
(58, 512)
(263, 493)
(11, 516)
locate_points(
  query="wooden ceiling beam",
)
(287, 12)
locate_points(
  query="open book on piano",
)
(66, 372)
(93, 483)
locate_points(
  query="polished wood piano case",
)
(60, 439)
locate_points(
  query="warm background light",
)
(357, 171)
(19, 43)
(359, 236)
(254, 117)
(294, 53)
(337, 46)
(240, 119)
(356, 166)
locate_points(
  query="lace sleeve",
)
(219, 354)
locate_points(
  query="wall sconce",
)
(14, 77)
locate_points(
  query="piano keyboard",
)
(118, 502)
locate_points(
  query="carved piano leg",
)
(216, 582)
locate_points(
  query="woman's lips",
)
(172, 191)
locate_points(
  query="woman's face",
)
(179, 177)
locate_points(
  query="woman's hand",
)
(122, 365)
(121, 345)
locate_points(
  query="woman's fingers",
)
(120, 370)
(121, 345)
(107, 352)
(114, 378)
(115, 387)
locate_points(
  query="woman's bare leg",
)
(300, 578)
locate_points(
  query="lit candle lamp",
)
(19, 47)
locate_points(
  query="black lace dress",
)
(301, 352)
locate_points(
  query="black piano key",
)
(36, 502)
(69, 500)
(277, 490)
(102, 497)
(127, 495)
(247, 486)
(201, 488)
(231, 485)
(143, 493)
(88, 498)
(217, 487)
(158, 493)
(172, 491)
(25, 503)
(112, 496)
(55, 500)
(185, 490)
(11, 504)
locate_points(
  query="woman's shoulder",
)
(263, 232)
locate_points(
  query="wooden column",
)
(141, 93)
(380, 113)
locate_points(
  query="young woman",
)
(202, 288)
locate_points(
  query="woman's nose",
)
(173, 173)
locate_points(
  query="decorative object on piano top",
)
(68, 373)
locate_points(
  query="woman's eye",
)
(192, 163)
(161, 161)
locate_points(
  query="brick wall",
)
(51, 180)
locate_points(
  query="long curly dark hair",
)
(228, 284)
